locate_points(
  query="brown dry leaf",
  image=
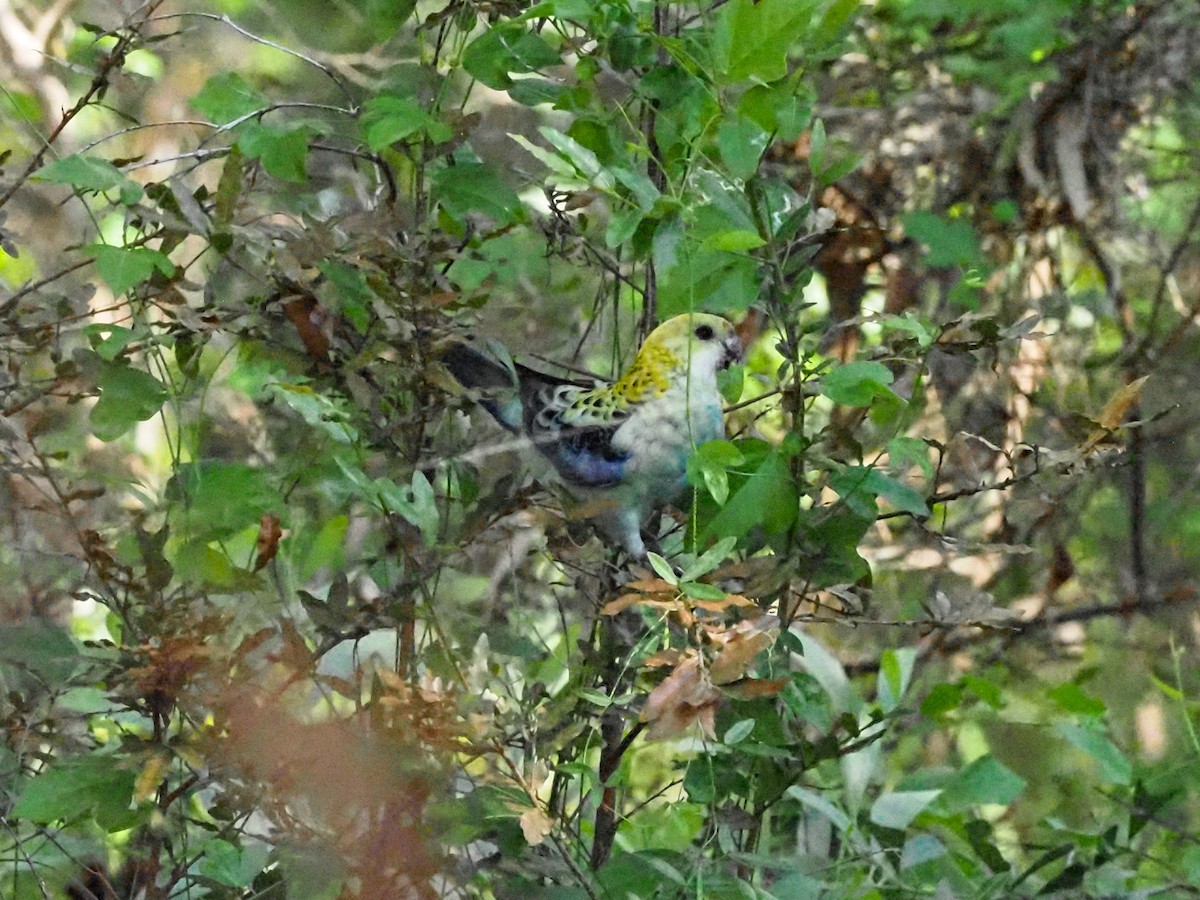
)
(627, 600)
(653, 586)
(310, 320)
(535, 825)
(720, 605)
(752, 688)
(669, 657)
(684, 697)
(736, 656)
(1119, 403)
(267, 542)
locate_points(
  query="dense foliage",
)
(284, 613)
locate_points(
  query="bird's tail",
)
(488, 374)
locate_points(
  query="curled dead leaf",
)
(1120, 403)
(736, 658)
(753, 688)
(535, 825)
(686, 696)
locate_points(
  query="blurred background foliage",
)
(283, 615)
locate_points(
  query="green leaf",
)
(1073, 699)
(986, 780)
(40, 647)
(752, 38)
(897, 809)
(733, 241)
(816, 147)
(895, 673)
(127, 396)
(858, 485)
(857, 383)
(709, 560)
(941, 699)
(282, 152)
(739, 731)
(219, 499)
(229, 865)
(586, 162)
(355, 295)
(70, 787)
(835, 22)
(709, 465)
(316, 409)
(227, 97)
(123, 268)
(951, 242)
(904, 452)
(87, 173)
(742, 142)
(389, 119)
(475, 189)
(662, 567)
(504, 49)
(1114, 765)
(766, 499)
(820, 805)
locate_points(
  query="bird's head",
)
(702, 343)
(695, 346)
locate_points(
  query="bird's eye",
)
(704, 332)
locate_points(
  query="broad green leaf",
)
(472, 189)
(40, 647)
(229, 865)
(1114, 765)
(904, 452)
(767, 499)
(503, 49)
(1074, 699)
(709, 465)
(109, 340)
(752, 38)
(856, 383)
(921, 848)
(127, 396)
(742, 142)
(227, 97)
(941, 699)
(317, 409)
(897, 809)
(951, 242)
(356, 297)
(82, 785)
(123, 268)
(986, 780)
(389, 118)
(219, 499)
(858, 486)
(282, 152)
(88, 173)
(739, 731)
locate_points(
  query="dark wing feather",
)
(584, 455)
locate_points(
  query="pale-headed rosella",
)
(620, 448)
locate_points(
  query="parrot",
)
(622, 447)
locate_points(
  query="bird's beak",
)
(733, 351)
